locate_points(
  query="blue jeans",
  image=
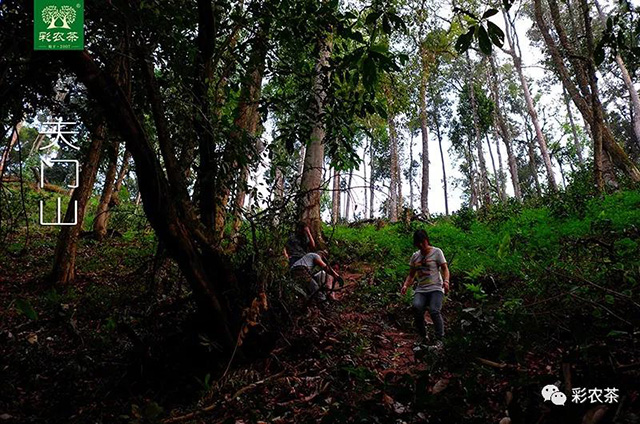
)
(433, 302)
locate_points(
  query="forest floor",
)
(117, 348)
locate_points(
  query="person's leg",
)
(435, 305)
(316, 283)
(419, 305)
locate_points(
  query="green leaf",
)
(372, 18)
(484, 41)
(489, 13)
(26, 309)
(386, 26)
(464, 41)
(495, 33)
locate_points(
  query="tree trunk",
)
(335, 196)
(533, 166)
(64, 262)
(100, 221)
(482, 167)
(124, 169)
(444, 168)
(371, 181)
(393, 184)
(348, 202)
(504, 131)
(246, 124)
(364, 168)
(493, 166)
(635, 100)
(168, 210)
(7, 151)
(425, 63)
(576, 140)
(311, 185)
(411, 171)
(581, 94)
(517, 61)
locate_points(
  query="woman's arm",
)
(408, 281)
(444, 270)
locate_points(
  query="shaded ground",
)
(118, 348)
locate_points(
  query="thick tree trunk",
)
(425, 62)
(335, 196)
(311, 184)
(100, 221)
(168, 211)
(517, 61)
(580, 94)
(64, 262)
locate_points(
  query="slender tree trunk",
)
(411, 171)
(482, 167)
(444, 167)
(371, 182)
(533, 167)
(581, 94)
(425, 62)
(576, 140)
(246, 122)
(633, 93)
(393, 185)
(514, 44)
(124, 169)
(100, 221)
(7, 151)
(364, 168)
(335, 204)
(348, 202)
(64, 263)
(504, 131)
(493, 166)
(501, 177)
(311, 184)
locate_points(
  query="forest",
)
(251, 211)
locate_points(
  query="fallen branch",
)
(491, 363)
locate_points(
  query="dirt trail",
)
(340, 361)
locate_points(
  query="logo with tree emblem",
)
(58, 25)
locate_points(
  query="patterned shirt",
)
(427, 270)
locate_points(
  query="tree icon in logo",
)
(53, 14)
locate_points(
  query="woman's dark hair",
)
(300, 226)
(419, 236)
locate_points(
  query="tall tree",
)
(516, 54)
(586, 100)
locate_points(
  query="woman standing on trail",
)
(430, 270)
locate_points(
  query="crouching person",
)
(305, 270)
